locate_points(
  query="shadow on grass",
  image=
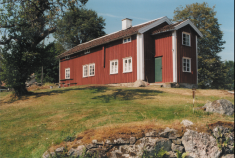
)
(123, 94)
(94, 89)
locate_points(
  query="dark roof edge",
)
(163, 31)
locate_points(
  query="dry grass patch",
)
(135, 129)
(200, 92)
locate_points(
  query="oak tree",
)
(24, 24)
(211, 71)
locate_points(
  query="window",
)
(186, 65)
(67, 73)
(186, 39)
(114, 67)
(126, 40)
(127, 65)
(85, 70)
(92, 70)
(87, 51)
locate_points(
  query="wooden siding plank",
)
(113, 50)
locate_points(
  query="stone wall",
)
(220, 143)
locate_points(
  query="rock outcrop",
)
(140, 83)
(196, 144)
(220, 106)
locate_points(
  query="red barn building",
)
(157, 51)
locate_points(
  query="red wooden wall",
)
(186, 51)
(101, 56)
(163, 48)
(149, 54)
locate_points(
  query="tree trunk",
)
(20, 90)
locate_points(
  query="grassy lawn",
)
(31, 124)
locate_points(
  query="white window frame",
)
(187, 60)
(130, 70)
(189, 38)
(87, 69)
(93, 64)
(128, 39)
(66, 76)
(113, 72)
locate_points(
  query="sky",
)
(140, 11)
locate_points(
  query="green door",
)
(158, 69)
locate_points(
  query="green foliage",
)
(181, 155)
(211, 71)
(24, 25)
(69, 138)
(78, 26)
(18, 63)
(229, 80)
(50, 64)
(161, 154)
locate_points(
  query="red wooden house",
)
(157, 51)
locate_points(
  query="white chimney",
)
(126, 23)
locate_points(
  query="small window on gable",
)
(114, 67)
(67, 73)
(186, 39)
(127, 65)
(91, 69)
(186, 64)
(87, 51)
(126, 40)
(85, 70)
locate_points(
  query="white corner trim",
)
(174, 55)
(59, 72)
(154, 24)
(188, 22)
(140, 56)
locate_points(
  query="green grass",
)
(30, 125)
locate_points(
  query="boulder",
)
(168, 132)
(48, 155)
(220, 106)
(228, 156)
(77, 152)
(176, 148)
(177, 141)
(140, 83)
(132, 140)
(186, 123)
(61, 149)
(200, 145)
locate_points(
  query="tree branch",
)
(44, 35)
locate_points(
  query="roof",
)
(141, 28)
(177, 26)
(111, 37)
(166, 28)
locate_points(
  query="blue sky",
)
(141, 11)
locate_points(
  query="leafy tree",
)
(78, 26)
(24, 24)
(18, 65)
(229, 80)
(211, 71)
(50, 64)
